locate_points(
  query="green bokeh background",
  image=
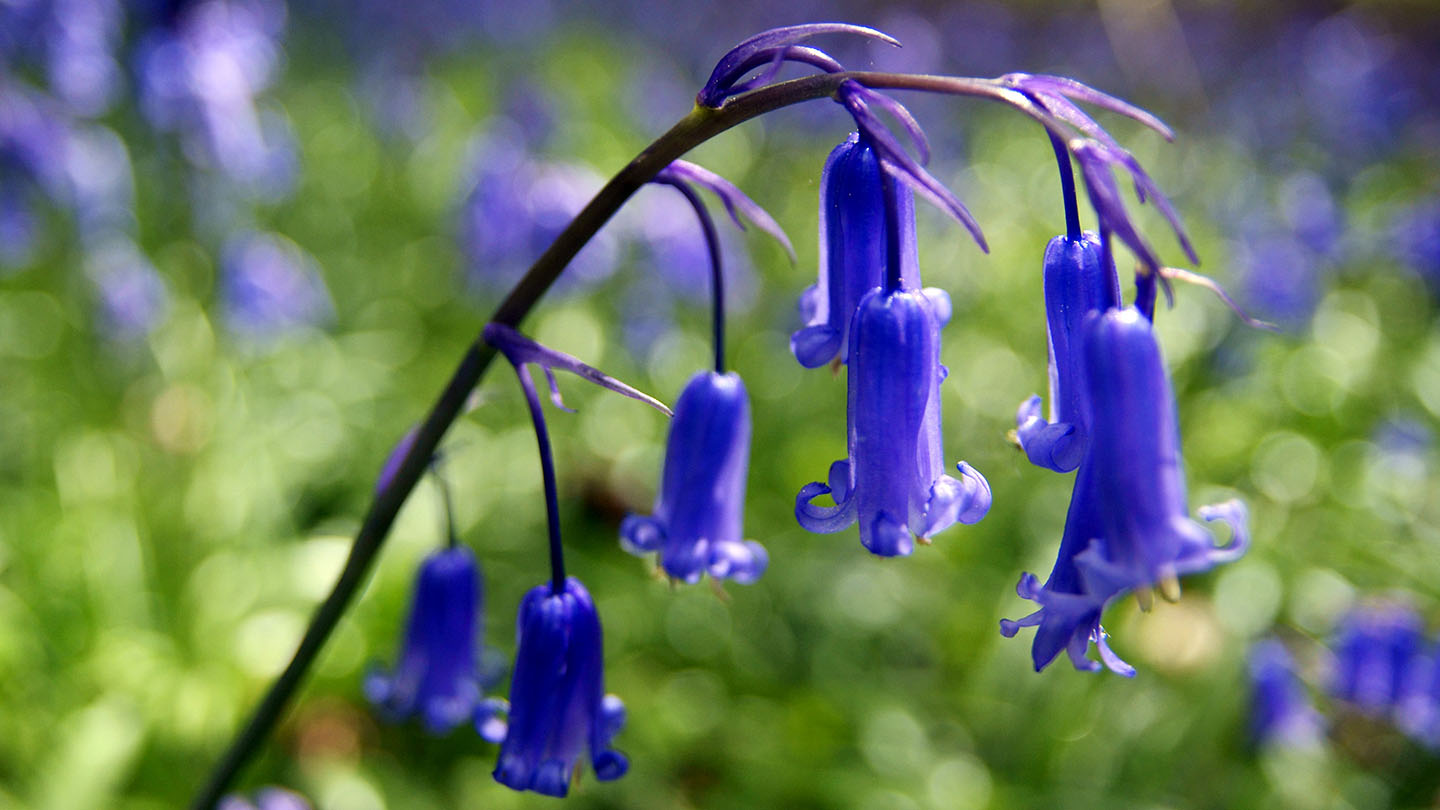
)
(171, 509)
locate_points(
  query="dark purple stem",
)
(717, 275)
(1067, 187)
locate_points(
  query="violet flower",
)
(1374, 649)
(436, 676)
(853, 246)
(1128, 528)
(557, 700)
(268, 798)
(697, 524)
(1080, 279)
(1280, 709)
(893, 482)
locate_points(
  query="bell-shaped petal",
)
(894, 482)
(437, 676)
(557, 699)
(697, 523)
(1079, 279)
(853, 246)
(1148, 537)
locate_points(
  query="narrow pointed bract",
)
(853, 247)
(557, 700)
(772, 46)
(697, 525)
(893, 482)
(436, 676)
(1079, 280)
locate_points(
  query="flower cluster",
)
(1384, 666)
(1112, 417)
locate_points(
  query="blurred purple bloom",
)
(201, 76)
(269, 798)
(697, 524)
(1417, 709)
(133, 297)
(1280, 708)
(1415, 237)
(518, 205)
(557, 696)
(1079, 279)
(893, 481)
(18, 227)
(853, 249)
(73, 41)
(436, 676)
(1374, 650)
(270, 285)
(1128, 527)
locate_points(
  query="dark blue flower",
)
(1128, 528)
(437, 675)
(1280, 709)
(893, 481)
(853, 246)
(1080, 279)
(557, 700)
(270, 798)
(1374, 650)
(697, 525)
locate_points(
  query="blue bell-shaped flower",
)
(697, 523)
(893, 482)
(853, 245)
(1079, 279)
(436, 676)
(557, 700)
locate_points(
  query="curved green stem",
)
(699, 126)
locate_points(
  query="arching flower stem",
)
(717, 276)
(699, 126)
(1067, 187)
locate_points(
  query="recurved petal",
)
(822, 519)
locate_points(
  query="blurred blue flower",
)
(1079, 279)
(697, 525)
(557, 700)
(518, 204)
(200, 76)
(269, 798)
(1128, 528)
(1280, 708)
(893, 481)
(72, 41)
(437, 675)
(1417, 711)
(270, 286)
(1415, 239)
(1374, 650)
(133, 297)
(853, 246)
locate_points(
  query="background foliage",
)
(186, 449)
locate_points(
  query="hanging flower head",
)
(557, 700)
(1080, 279)
(697, 523)
(893, 481)
(852, 252)
(436, 676)
(1128, 528)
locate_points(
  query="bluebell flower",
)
(893, 481)
(1417, 712)
(269, 798)
(270, 285)
(437, 676)
(853, 247)
(697, 524)
(1080, 279)
(1374, 650)
(133, 297)
(557, 699)
(1128, 528)
(1280, 708)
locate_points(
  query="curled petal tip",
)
(765, 46)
